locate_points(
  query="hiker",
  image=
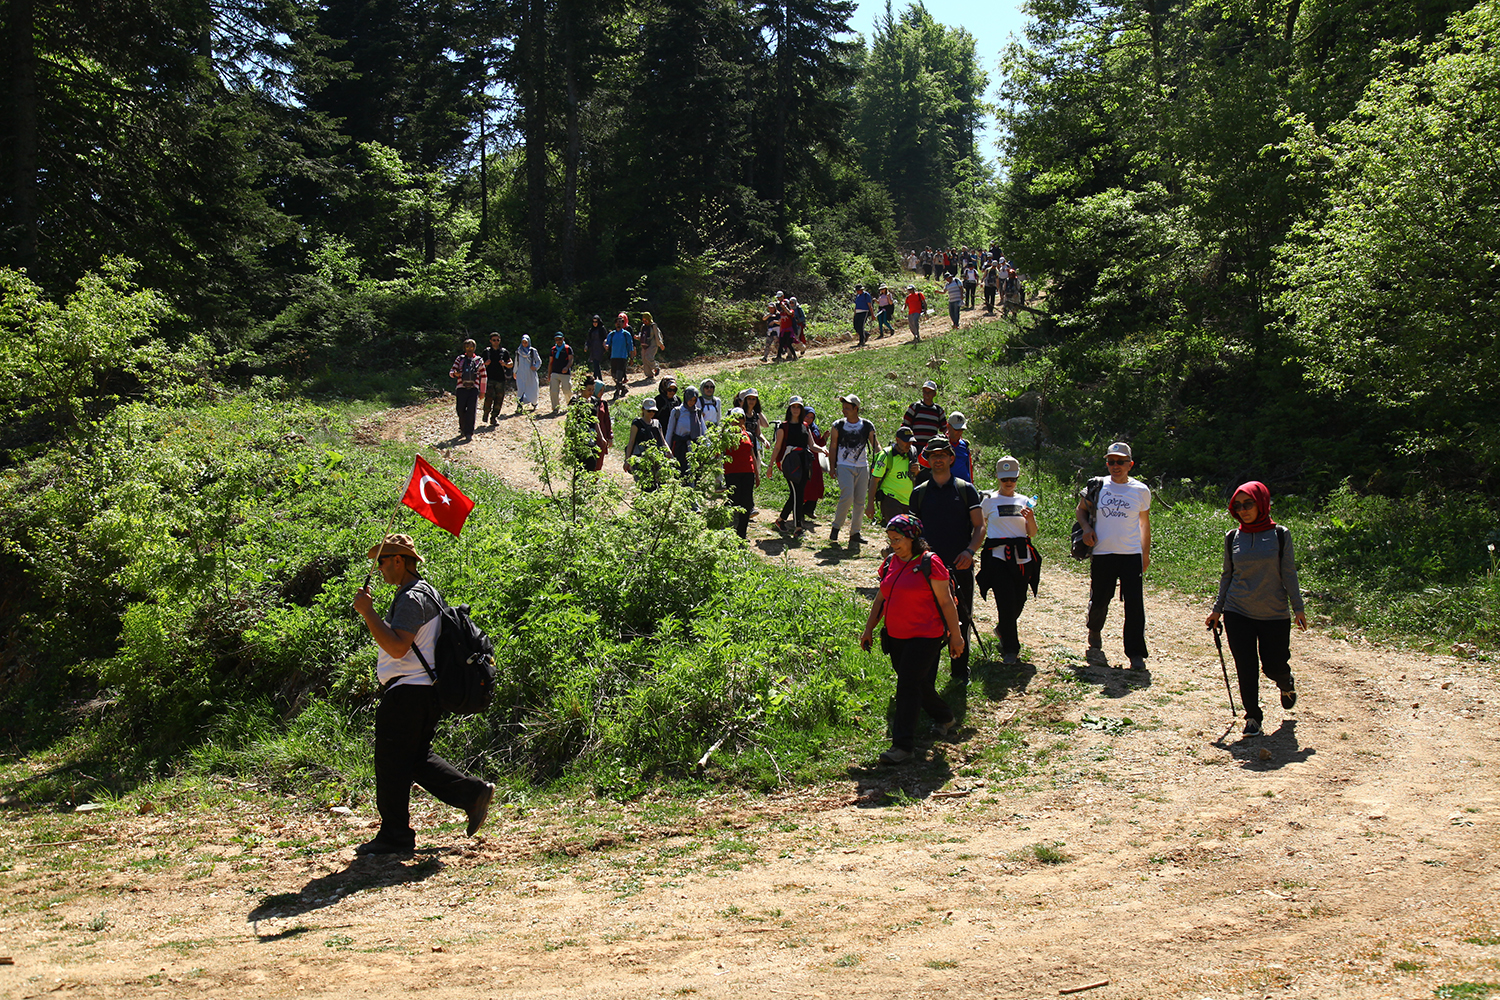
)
(991, 287)
(407, 715)
(955, 290)
(604, 432)
(792, 453)
(816, 486)
(954, 525)
(741, 474)
(885, 311)
(786, 330)
(890, 477)
(963, 466)
(711, 405)
(862, 302)
(498, 369)
(851, 442)
(927, 421)
(755, 419)
(919, 614)
(666, 400)
(595, 342)
(645, 433)
(621, 346)
(528, 385)
(1117, 524)
(469, 371)
(684, 426)
(1010, 562)
(916, 305)
(773, 326)
(651, 342)
(560, 371)
(1258, 597)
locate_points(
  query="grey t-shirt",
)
(1260, 575)
(414, 609)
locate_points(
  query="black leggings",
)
(916, 663)
(1257, 645)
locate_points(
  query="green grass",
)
(1466, 991)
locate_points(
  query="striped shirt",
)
(925, 421)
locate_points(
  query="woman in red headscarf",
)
(1258, 596)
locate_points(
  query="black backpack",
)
(1091, 494)
(464, 674)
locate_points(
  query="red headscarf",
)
(1255, 490)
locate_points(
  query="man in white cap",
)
(407, 714)
(1118, 526)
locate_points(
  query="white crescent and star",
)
(422, 488)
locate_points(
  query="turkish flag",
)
(430, 494)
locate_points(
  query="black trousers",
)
(915, 662)
(742, 495)
(1011, 590)
(466, 402)
(989, 298)
(405, 722)
(1259, 645)
(1122, 571)
(859, 326)
(963, 596)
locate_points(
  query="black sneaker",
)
(1252, 728)
(378, 846)
(1289, 698)
(480, 809)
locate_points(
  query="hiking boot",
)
(1289, 698)
(378, 846)
(833, 535)
(895, 755)
(1096, 641)
(1010, 659)
(855, 541)
(480, 810)
(1252, 728)
(1137, 663)
(945, 728)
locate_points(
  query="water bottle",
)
(1030, 502)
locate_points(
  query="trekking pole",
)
(1225, 668)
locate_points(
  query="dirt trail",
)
(1352, 852)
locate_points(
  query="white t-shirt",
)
(1002, 516)
(1117, 518)
(854, 446)
(712, 410)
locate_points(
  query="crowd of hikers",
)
(943, 536)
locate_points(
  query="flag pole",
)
(380, 551)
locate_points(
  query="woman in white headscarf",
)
(528, 383)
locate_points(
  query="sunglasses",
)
(1010, 480)
(1242, 505)
(1117, 461)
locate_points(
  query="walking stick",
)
(1225, 668)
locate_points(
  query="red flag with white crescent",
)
(430, 494)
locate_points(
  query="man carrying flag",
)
(407, 716)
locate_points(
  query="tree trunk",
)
(567, 248)
(23, 95)
(533, 43)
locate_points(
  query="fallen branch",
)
(1080, 989)
(703, 761)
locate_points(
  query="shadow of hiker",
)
(878, 785)
(1113, 681)
(1001, 680)
(363, 873)
(832, 554)
(1282, 746)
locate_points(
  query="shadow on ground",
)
(1282, 746)
(363, 873)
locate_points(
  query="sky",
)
(990, 26)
